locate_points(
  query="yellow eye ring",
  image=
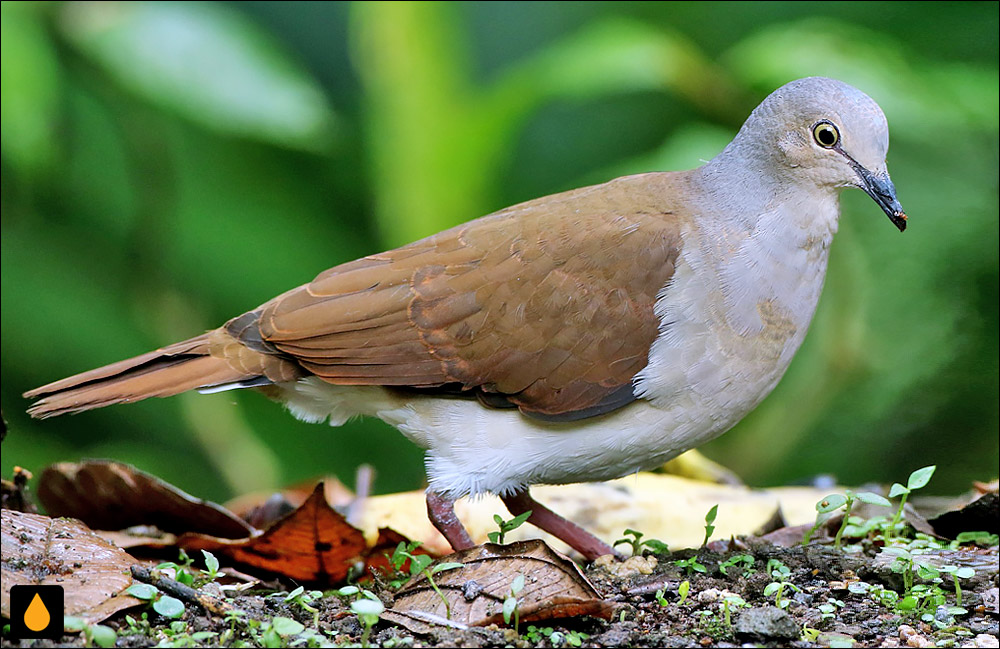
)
(826, 134)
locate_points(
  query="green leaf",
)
(347, 591)
(448, 565)
(295, 593)
(208, 63)
(494, 537)
(104, 636)
(286, 626)
(368, 606)
(920, 477)
(872, 499)
(965, 573)
(509, 606)
(142, 591)
(74, 623)
(656, 546)
(211, 562)
(712, 513)
(831, 503)
(168, 606)
(517, 585)
(897, 490)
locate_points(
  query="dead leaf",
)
(63, 552)
(313, 544)
(113, 496)
(553, 588)
(262, 509)
(980, 515)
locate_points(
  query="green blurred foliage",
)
(169, 165)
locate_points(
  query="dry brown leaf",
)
(313, 544)
(263, 508)
(113, 496)
(553, 588)
(63, 552)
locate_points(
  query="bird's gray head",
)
(826, 132)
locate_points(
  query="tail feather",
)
(178, 368)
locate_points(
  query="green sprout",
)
(709, 520)
(917, 480)
(102, 636)
(744, 561)
(653, 545)
(691, 565)
(682, 591)
(781, 574)
(420, 564)
(299, 597)
(165, 605)
(507, 526)
(510, 603)
(833, 502)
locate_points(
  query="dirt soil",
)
(829, 598)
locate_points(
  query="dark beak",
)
(881, 189)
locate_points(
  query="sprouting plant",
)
(744, 561)
(368, 611)
(304, 599)
(691, 565)
(165, 605)
(957, 574)
(709, 523)
(535, 635)
(826, 507)
(102, 636)
(730, 602)
(510, 603)
(780, 573)
(682, 591)
(660, 599)
(982, 539)
(829, 608)
(180, 568)
(654, 545)
(211, 566)
(507, 526)
(421, 564)
(917, 480)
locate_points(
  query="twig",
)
(185, 593)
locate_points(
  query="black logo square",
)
(37, 611)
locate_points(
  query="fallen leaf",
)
(114, 496)
(64, 552)
(313, 544)
(980, 515)
(553, 588)
(262, 509)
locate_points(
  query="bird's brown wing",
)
(546, 306)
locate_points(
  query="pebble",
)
(984, 640)
(631, 567)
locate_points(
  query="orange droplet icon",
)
(37, 616)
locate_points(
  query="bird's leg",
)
(544, 518)
(441, 511)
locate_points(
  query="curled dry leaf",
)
(113, 496)
(314, 544)
(553, 588)
(63, 552)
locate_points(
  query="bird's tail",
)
(183, 366)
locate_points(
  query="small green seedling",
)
(781, 574)
(829, 608)
(102, 636)
(507, 526)
(510, 603)
(917, 480)
(682, 591)
(304, 599)
(181, 568)
(653, 545)
(728, 603)
(826, 507)
(420, 564)
(165, 605)
(368, 611)
(744, 562)
(709, 523)
(982, 539)
(691, 565)
(536, 635)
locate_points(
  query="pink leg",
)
(441, 511)
(544, 518)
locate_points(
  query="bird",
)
(578, 337)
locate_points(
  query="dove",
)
(577, 337)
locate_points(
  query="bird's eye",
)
(826, 134)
